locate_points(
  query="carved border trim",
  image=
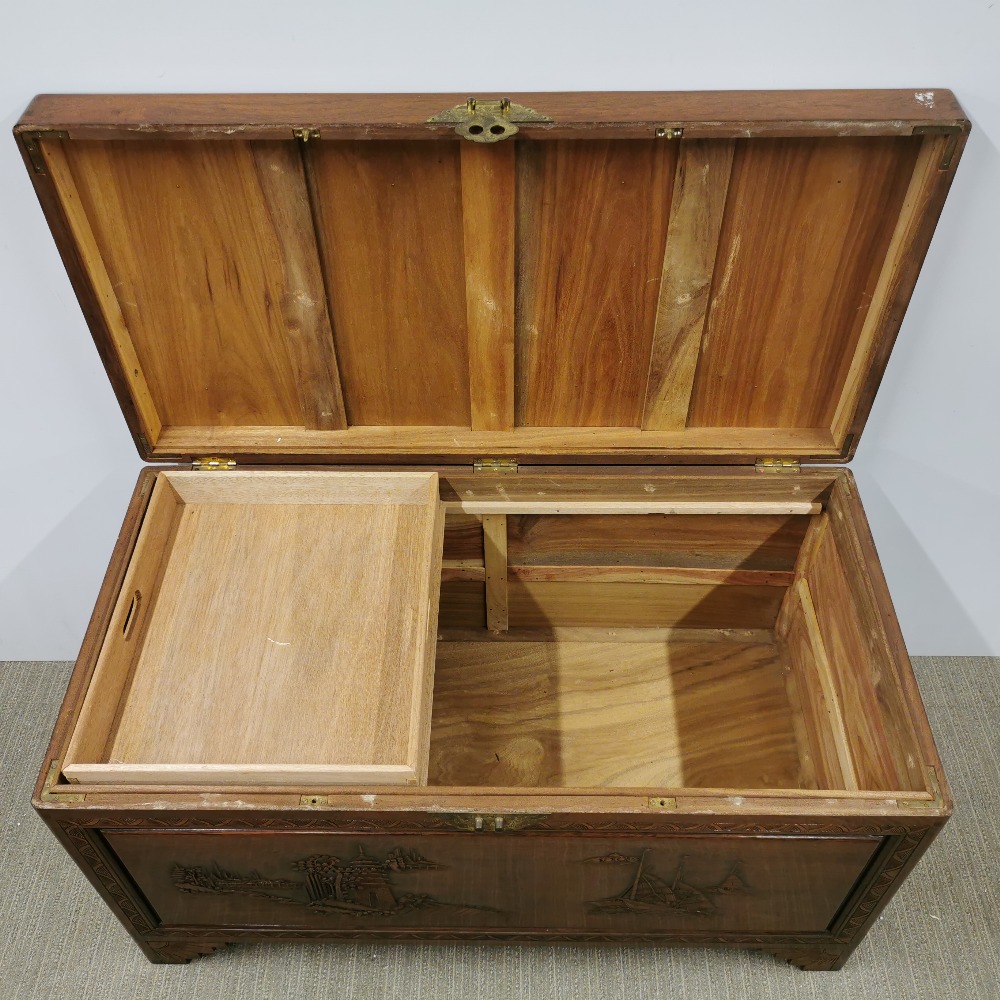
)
(879, 888)
(93, 853)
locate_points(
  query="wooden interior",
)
(276, 629)
(662, 631)
(612, 299)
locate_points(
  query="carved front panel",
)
(502, 881)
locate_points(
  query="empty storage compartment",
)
(675, 644)
(273, 628)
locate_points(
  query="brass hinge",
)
(52, 779)
(211, 463)
(34, 150)
(669, 132)
(954, 131)
(487, 121)
(305, 135)
(777, 465)
(495, 465)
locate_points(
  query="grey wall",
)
(928, 465)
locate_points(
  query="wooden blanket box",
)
(495, 578)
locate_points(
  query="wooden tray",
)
(276, 628)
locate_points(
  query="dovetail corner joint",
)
(487, 121)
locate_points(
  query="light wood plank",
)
(304, 308)
(651, 574)
(488, 225)
(744, 636)
(267, 486)
(857, 671)
(495, 548)
(911, 219)
(611, 714)
(823, 687)
(627, 507)
(308, 775)
(699, 200)
(58, 167)
(123, 643)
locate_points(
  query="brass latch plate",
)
(487, 121)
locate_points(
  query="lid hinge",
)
(777, 465)
(495, 465)
(213, 464)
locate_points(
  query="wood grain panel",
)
(488, 226)
(463, 605)
(203, 280)
(390, 219)
(699, 198)
(641, 605)
(858, 676)
(106, 299)
(582, 714)
(463, 536)
(920, 194)
(807, 227)
(749, 542)
(304, 310)
(823, 721)
(592, 219)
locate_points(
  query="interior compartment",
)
(273, 627)
(593, 632)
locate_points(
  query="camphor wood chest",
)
(495, 578)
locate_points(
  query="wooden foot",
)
(178, 952)
(811, 959)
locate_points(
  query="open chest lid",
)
(635, 278)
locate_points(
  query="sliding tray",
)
(273, 628)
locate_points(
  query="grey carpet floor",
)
(939, 937)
